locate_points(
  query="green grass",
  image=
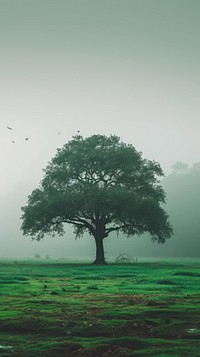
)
(63, 309)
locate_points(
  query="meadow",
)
(61, 308)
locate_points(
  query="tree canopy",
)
(99, 185)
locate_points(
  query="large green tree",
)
(99, 185)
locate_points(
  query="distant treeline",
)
(183, 205)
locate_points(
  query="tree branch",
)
(108, 230)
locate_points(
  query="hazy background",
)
(124, 67)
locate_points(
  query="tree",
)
(99, 185)
(179, 166)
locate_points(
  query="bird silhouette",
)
(13, 141)
(26, 138)
(8, 127)
(58, 132)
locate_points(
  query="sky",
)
(123, 67)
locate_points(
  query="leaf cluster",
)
(97, 182)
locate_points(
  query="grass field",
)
(52, 308)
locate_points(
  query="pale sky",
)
(124, 67)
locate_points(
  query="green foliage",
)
(99, 185)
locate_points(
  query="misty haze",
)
(183, 199)
(99, 82)
(100, 178)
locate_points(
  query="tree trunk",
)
(100, 259)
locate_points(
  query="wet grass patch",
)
(144, 309)
(166, 282)
(187, 273)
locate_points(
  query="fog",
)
(183, 200)
(129, 68)
(15, 245)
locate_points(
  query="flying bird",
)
(8, 127)
(26, 138)
(58, 132)
(13, 141)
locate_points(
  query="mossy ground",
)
(60, 309)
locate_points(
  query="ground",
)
(57, 308)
